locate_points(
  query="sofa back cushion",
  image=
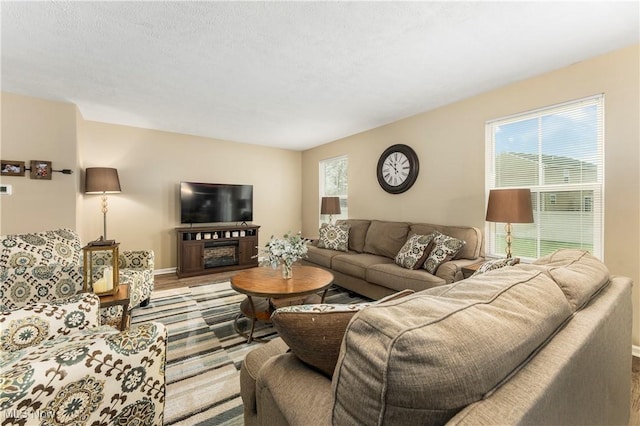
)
(471, 236)
(578, 273)
(426, 356)
(357, 232)
(386, 238)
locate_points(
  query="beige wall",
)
(450, 144)
(35, 129)
(150, 165)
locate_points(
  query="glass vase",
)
(287, 271)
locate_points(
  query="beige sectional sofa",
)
(368, 268)
(532, 344)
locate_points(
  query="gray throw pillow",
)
(414, 252)
(444, 249)
(334, 237)
(490, 265)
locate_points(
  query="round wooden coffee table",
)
(272, 291)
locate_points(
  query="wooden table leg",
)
(124, 320)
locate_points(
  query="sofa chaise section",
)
(543, 343)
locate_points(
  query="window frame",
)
(321, 188)
(594, 191)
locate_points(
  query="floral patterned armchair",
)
(59, 366)
(46, 266)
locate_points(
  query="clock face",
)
(397, 169)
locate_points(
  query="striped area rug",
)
(204, 352)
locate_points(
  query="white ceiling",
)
(291, 74)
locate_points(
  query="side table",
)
(469, 270)
(120, 298)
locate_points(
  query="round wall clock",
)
(397, 168)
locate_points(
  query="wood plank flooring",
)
(171, 281)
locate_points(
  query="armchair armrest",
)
(35, 323)
(118, 378)
(136, 259)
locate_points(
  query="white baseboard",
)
(168, 271)
(635, 350)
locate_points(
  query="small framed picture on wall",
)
(40, 169)
(11, 168)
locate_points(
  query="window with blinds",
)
(558, 153)
(334, 183)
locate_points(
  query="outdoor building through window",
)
(558, 153)
(333, 183)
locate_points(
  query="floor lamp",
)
(102, 180)
(330, 206)
(509, 206)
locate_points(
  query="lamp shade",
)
(509, 206)
(330, 205)
(101, 180)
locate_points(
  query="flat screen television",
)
(215, 202)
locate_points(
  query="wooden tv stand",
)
(210, 249)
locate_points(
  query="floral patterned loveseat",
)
(47, 266)
(59, 366)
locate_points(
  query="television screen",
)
(215, 202)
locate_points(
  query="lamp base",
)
(507, 228)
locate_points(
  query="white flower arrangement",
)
(285, 250)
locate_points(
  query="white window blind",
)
(558, 153)
(334, 183)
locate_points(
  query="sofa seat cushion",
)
(386, 238)
(356, 265)
(426, 356)
(321, 256)
(398, 278)
(357, 232)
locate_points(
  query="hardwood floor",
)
(171, 281)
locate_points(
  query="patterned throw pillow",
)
(314, 332)
(490, 265)
(334, 237)
(414, 252)
(444, 249)
(38, 322)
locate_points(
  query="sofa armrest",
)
(451, 271)
(288, 392)
(251, 366)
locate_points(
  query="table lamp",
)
(509, 206)
(330, 206)
(102, 180)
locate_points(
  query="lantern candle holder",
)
(101, 269)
